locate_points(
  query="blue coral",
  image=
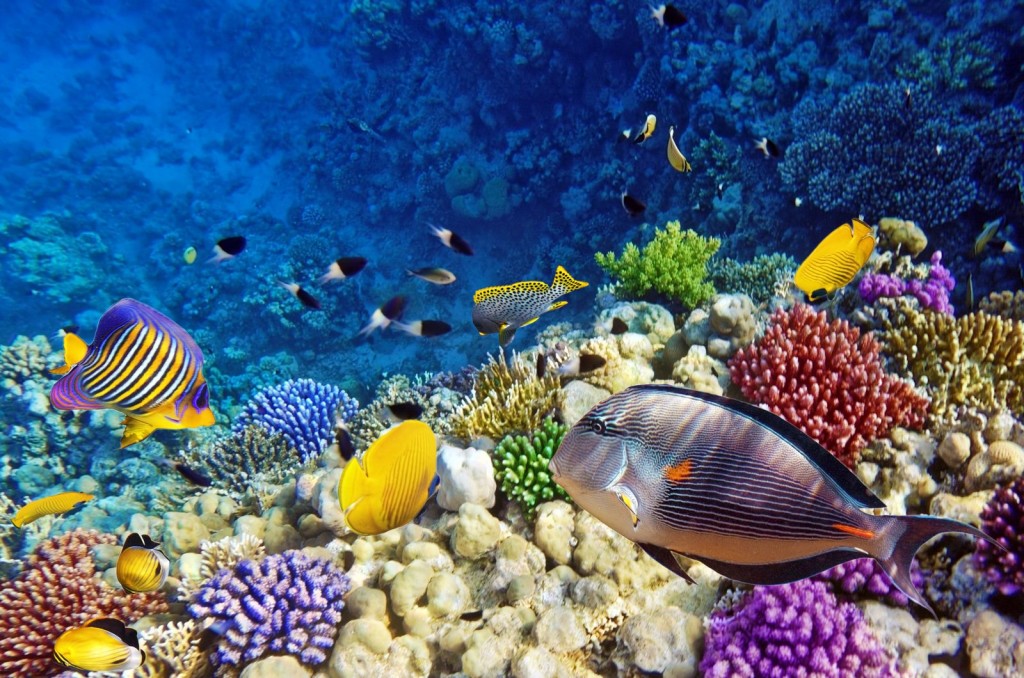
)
(302, 410)
(287, 602)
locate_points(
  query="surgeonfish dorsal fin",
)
(564, 282)
(74, 351)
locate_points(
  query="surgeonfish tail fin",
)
(74, 351)
(913, 532)
(565, 283)
(135, 430)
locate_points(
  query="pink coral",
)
(826, 379)
(57, 591)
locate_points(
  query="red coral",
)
(57, 591)
(826, 379)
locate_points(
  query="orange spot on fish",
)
(855, 531)
(679, 472)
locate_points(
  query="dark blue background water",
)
(149, 127)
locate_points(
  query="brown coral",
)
(1009, 305)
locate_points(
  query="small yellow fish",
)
(190, 255)
(392, 482)
(48, 506)
(988, 231)
(141, 567)
(835, 261)
(675, 158)
(103, 644)
(648, 129)
(438, 276)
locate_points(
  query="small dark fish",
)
(346, 447)
(647, 130)
(633, 206)
(227, 248)
(69, 329)
(542, 365)
(768, 147)
(906, 98)
(720, 190)
(406, 410)
(970, 292)
(424, 328)
(619, 326)
(452, 240)
(383, 316)
(188, 473)
(472, 615)
(583, 363)
(307, 299)
(67, 415)
(668, 16)
(342, 268)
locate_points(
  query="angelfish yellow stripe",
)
(55, 504)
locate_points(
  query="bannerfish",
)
(393, 480)
(633, 206)
(424, 328)
(406, 410)
(307, 299)
(675, 157)
(142, 567)
(506, 308)
(140, 363)
(647, 130)
(341, 268)
(437, 276)
(227, 248)
(104, 644)
(189, 255)
(731, 485)
(668, 16)
(55, 504)
(835, 261)
(768, 147)
(382, 317)
(451, 240)
(581, 364)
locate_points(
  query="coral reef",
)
(1003, 520)
(627, 359)
(901, 235)
(433, 393)
(287, 602)
(760, 279)
(1009, 305)
(931, 293)
(792, 630)
(250, 458)
(826, 379)
(521, 467)
(673, 264)
(866, 575)
(57, 591)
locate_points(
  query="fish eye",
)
(598, 427)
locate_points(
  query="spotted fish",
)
(140, 363)
(835, 261)
(733, 486)
(506, 308)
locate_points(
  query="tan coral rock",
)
(733, 324)
(365, 602)
(965, 509)
(995, 646)
(276, 667)
(656, 641)
(553, 531)
(954, 449)
(182, 533)
(409, 586)
(579, 397)
(475, 533)
(699, 371)
(325, 503)
(905, 235)
(1001, 463)
(558, 630)
(447, 595)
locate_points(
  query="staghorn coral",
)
(521, 467)
(1003, 520)
(57, 591)
(27, 359)
(508, 398)
(826, 379)
(1009, 305)
(976, 360)
(673, 264)
(172, 651)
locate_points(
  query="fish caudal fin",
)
(565, 283)
(135, 430)
(74, 351)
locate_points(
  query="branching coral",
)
(508, 398)
(674, 264)
(521, 467)
(57, 591)
(222, 554)
(1003, 520)
(27, 359)
(932, 292)
(827, 379)
(437, 400)
(759, 279)
(172, 651)
(1009, 305)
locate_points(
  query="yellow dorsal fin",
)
(489, 293)
(135, 430)
(564, 282)
(74, 352)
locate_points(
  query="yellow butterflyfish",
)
(835, 261)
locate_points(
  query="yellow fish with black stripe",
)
(506, 308)
(48, 506)
(103, 644)
(140, 363)
(389, 486)
(142, 567)
(835, 261)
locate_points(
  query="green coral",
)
(521, 467)
(674, 264)
(759, 279)
(719, 167)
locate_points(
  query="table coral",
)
(521, 467)
(1003, 520)
(57, 591)
(826, 379)
(674, 264)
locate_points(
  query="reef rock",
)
(466, 477)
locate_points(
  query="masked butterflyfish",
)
(423, 328)
(451, 240)
(142, 567)
(675, 158)
(835, 261)
(55, 504)
(392, 482)
(734, 486)
(634, 206)
(343, 267)
(392, 310)
(506, 308)
(647, 130)
(768, 147)
(103, 644)
(140, 363)
(227, 248)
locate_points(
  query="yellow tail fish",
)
(142, 567)
(103, 644)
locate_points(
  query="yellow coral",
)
(906, 235)
(1007, 304)
(507, 398)
(27, 358)
(172, 650)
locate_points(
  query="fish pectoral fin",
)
(531, 321)
(506, 334)
(667, 559)
(63, 369)
(557, 305)
(135, 430)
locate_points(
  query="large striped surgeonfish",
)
(835, 261)
(140, 363)
(733, 486)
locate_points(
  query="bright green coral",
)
(674, 263)
(521, 466)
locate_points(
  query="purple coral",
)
(302, 410)
(796, 629)
(932, 292)
(1003, 520)
(287, 602)
(866, 575)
